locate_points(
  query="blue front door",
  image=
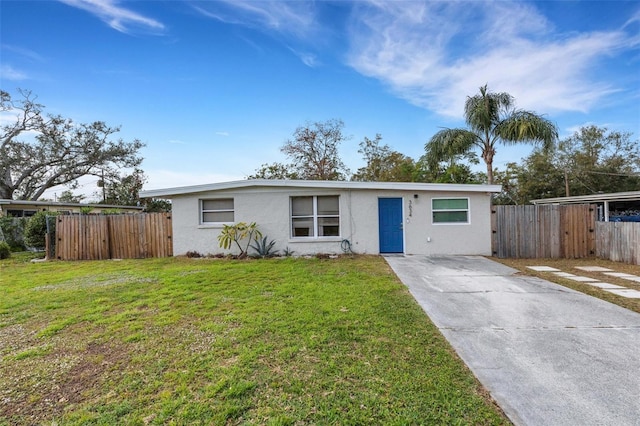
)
(390, 225)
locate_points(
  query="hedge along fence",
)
(130, 236)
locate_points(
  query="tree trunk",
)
(490, 173)
(487, 156)
(6, 193)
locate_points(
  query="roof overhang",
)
(56, 204)
(319, 184)
(593, 198)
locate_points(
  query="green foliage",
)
(599, 160)
(36, 229)
(86, 209)
(13, 231)
(384, 164)
(275, 171)
(491, 118)
(113, 211)
(61, 152)
(124, 190)
(263, 248)
(314, 151)
(592, 160)
(156, 205)
(67, 196)
(5, 250)
(242, 234)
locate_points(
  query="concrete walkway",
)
(547, 354)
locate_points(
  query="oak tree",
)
(39, 151)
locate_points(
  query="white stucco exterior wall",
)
(270, 209)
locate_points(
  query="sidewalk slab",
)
(593, 269)
(628, 293)
(583, 279)
(607, 285)
(543, 268)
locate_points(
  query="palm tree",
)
(491, 118)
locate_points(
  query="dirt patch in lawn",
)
(58, 379)
(569, 265)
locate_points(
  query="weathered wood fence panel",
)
(95, 237)
(548, 231)
(618, 241)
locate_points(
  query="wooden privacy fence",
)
(543, 231)
(131, 236)
(618, 241)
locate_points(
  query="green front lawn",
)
(182, 341)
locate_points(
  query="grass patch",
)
(182, 341)
(569, 265)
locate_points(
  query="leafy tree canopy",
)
(385, 164)
(67, 196)
(313, 151)
(125, 189)
(591, 161)
(275, 171)
(61, 151)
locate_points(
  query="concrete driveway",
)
(547, 354)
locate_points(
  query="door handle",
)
(401, 225)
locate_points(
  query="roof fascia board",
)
(398, 186)
(56, 204)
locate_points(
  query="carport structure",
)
(607, 203)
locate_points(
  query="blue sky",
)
(214, 88)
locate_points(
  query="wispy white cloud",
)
(295, 21)
(7, 72)
(117, 17)
(26, 53)
(307, 58)
(222, 133)
(296, 18)
(177, 142)
(435, 54)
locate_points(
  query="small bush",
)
(13, 231)
(5, 250)
(236, 233)
(193, 254)
(36, 229)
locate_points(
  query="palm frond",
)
(483, 111)
(448, 144)
(526, 126)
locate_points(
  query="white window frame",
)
(467, 210)
(202, 211)
(23, 212)
(314, 216)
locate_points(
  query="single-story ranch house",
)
(310, 217)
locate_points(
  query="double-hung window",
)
(450, 210)
(315, 216)
(216, 211)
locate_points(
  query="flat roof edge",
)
(405, 186)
